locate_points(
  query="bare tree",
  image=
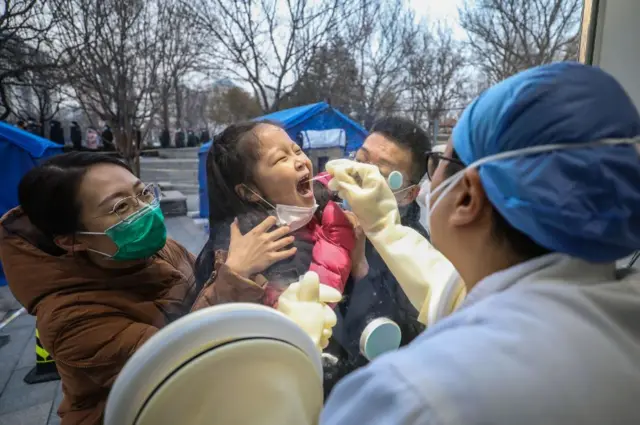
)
(196, 104)
(266, 43)
(437, 71)
(181, 48)
(26, 46)
(332, 75)
(38, 94)
(115, 74)
(231, 104)
(508, 36)
(381, 34)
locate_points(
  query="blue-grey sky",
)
(445, 11)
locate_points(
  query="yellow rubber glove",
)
(305, 302)
(367, 193)
(428, 279)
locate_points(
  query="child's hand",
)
(359, 264)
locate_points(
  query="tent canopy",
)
(19, 152)
(297, 122)
(318, 116)
(323, 139)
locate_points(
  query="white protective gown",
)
(552, 341)
(428, 279)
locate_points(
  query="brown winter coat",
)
(92, 320)
(224, 286)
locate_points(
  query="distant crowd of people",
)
(103, 139)
(92, 139)
(181, 138)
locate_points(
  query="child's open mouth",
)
(304, 186)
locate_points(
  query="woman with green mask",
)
(87, 253)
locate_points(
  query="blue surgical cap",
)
(584, 202)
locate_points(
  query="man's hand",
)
(366, 191)
(305, 302)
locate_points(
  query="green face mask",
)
(139, 236)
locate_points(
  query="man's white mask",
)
(423, 203)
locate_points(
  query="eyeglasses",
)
(433, 161)
(125, 207)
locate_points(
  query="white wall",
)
(615, 47)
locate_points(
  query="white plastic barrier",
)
(610, 34)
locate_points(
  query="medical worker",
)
(534, 199)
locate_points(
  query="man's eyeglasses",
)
(433, 160)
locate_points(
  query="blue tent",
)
(318, 116)
(19, 152)
(203, 196)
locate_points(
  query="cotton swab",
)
(394, 180)
(315, 178)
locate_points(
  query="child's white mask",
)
(290, 215)
(295, 217)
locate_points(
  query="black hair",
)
(522, 245)
(408, 135)
(48, 193)
(230, 162)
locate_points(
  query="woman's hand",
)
(257, 250)
(359, 264)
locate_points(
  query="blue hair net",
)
(584, 202)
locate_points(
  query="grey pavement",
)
(179, 168)
(181, 172)
(22, 404)
(185, 231)
(193, 202)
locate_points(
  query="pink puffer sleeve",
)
(331, 253)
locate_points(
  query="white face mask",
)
(448, 184)
(423, 203)
(295, 217)
(290, 215)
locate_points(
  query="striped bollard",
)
(45, 369)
